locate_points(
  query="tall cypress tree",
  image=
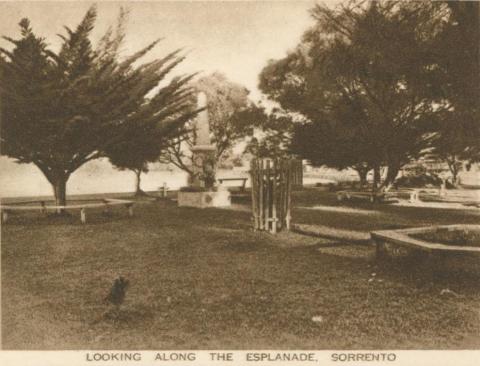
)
(61, 110)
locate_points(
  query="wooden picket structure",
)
(272, 181)
(297, 173)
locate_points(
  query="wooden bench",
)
(164, 190)
(347, 195)
(243, 180)
(106, 204)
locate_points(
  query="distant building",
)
(469, 176)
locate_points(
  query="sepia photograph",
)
(240, 175)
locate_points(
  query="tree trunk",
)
(453, 166)
(138, 190)
(362, 175)
(392, 173)
(376, 178)
(454, 176)
(60, 192)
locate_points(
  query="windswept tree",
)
(61, 110)
(453, 143)
(232, 117)
(374, 63)
(147, 140)
(458, 53)
(336, 142)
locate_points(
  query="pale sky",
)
(236, 38)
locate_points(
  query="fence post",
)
(279, 195)
(43, 210)
(253, 177)
(274, 198)
(267, 196)
(83, 216)
(289, 192)
(164, 190)
(4, 216)
(260, 193)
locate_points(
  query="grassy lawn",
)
(366, 216)
(204, 280)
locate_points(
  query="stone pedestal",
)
(201, 192)
(203, 165)
(204, 199)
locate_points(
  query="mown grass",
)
(373, 216)
(201, 279)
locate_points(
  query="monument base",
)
(204, 199)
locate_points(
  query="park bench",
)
(164, 190)
(386, 196)
(106, 204)
(347, 195)
(242, 179)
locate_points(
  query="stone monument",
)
(201, 191)
(203, 152)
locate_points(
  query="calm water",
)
(25, 180)
(18, 180)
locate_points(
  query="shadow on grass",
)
(71, 218)
(387, 216)
(427, 272)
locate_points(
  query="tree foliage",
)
(459, 58)
(63, 109)
(458, 54)
(336, 142)
(232, 117)
(366, 78)
(273, 133)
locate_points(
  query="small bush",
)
(198, 189)
(421, 181)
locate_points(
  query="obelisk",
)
(203, 152)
